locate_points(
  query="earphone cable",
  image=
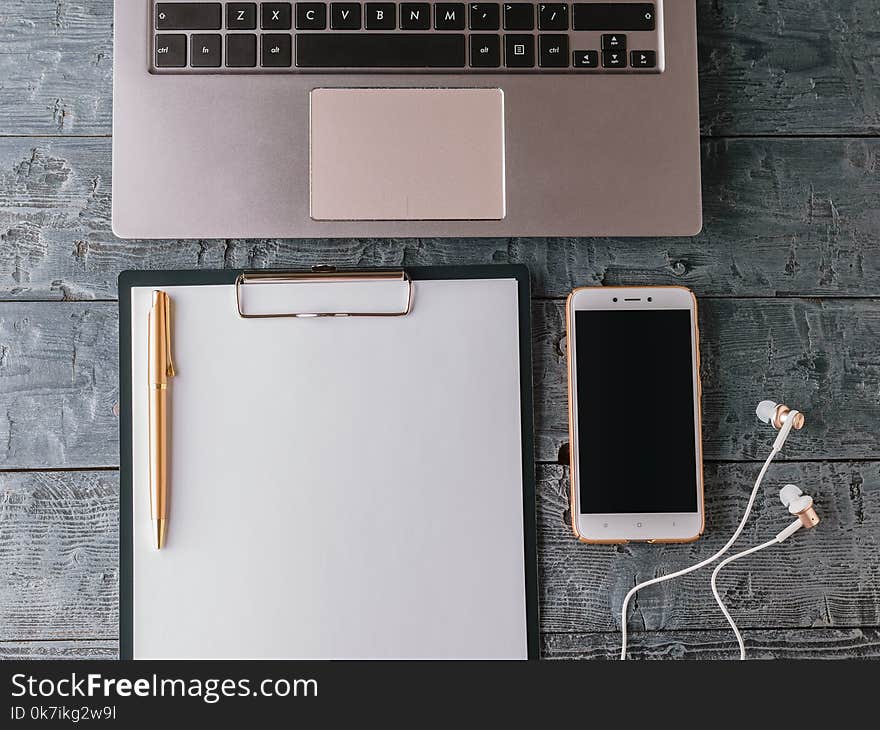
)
(727, 561)
(776, 449)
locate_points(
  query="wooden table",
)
(787, 271)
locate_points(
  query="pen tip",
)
(159, 529)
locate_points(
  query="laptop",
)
(406, 119)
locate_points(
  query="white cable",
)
(726, 561)
(777, 446)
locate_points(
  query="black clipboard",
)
(165, 278)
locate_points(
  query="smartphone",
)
(634, 415)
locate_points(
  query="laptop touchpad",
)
(407, 154)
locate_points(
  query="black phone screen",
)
(635, 411)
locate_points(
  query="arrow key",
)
(614, 59)
(585, 59)
(643, 59)
(613, 42)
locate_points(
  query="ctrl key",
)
(276, 50)
(170, 50)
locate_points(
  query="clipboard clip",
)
(321, 275)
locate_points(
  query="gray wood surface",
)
(782, 217)
(59, 363)
(761, 644)
(787, 270)
(58, 578)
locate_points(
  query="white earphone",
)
(784, 420)
(799, 504)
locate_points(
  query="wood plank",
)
(58, 560)
(783, 217)
(58, 385)
(818, 356)
(56, 66)
(713, 645)
(705, 645)
(789, 66)
(59, 389)
(78, 649)
(821, 578)
(792, 66)
(59, 553)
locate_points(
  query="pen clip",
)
(162, 308)
(169, 371)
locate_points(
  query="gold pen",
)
(160, 368)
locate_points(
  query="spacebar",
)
(380, 50)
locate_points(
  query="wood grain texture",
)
(825, 577)
(59, 552)
(792, 66)
(59, 384)
(709, 645)
(820, 356)
(782, 217)
(56, 66)
(58, 561)
(73, 649)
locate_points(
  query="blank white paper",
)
(340, 488)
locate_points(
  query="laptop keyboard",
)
(312, 37)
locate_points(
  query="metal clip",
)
(322, 274)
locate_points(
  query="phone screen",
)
(635, 411)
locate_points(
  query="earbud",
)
(777, 414)
(799, 504)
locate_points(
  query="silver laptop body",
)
(280, 120)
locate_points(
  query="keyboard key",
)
(614, 59)
(449, 16)
(188, 16)
(553, 16)
(585, 59)
(241, 16)
(519, 51)
(206, 50)
(485, 16)
(519, 16)
(415, 16)
(311, 16)
(241, 50)
(381, 16)
(345, 16)
(380, 50)
(553, 51)
(613, 16)
(170, 50)
(276, 51)
(643, 59)
(614, 42)
(275, 16)
(485, 50)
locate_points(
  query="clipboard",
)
(460, 564)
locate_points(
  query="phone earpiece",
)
(776, 415)
(799, 504)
